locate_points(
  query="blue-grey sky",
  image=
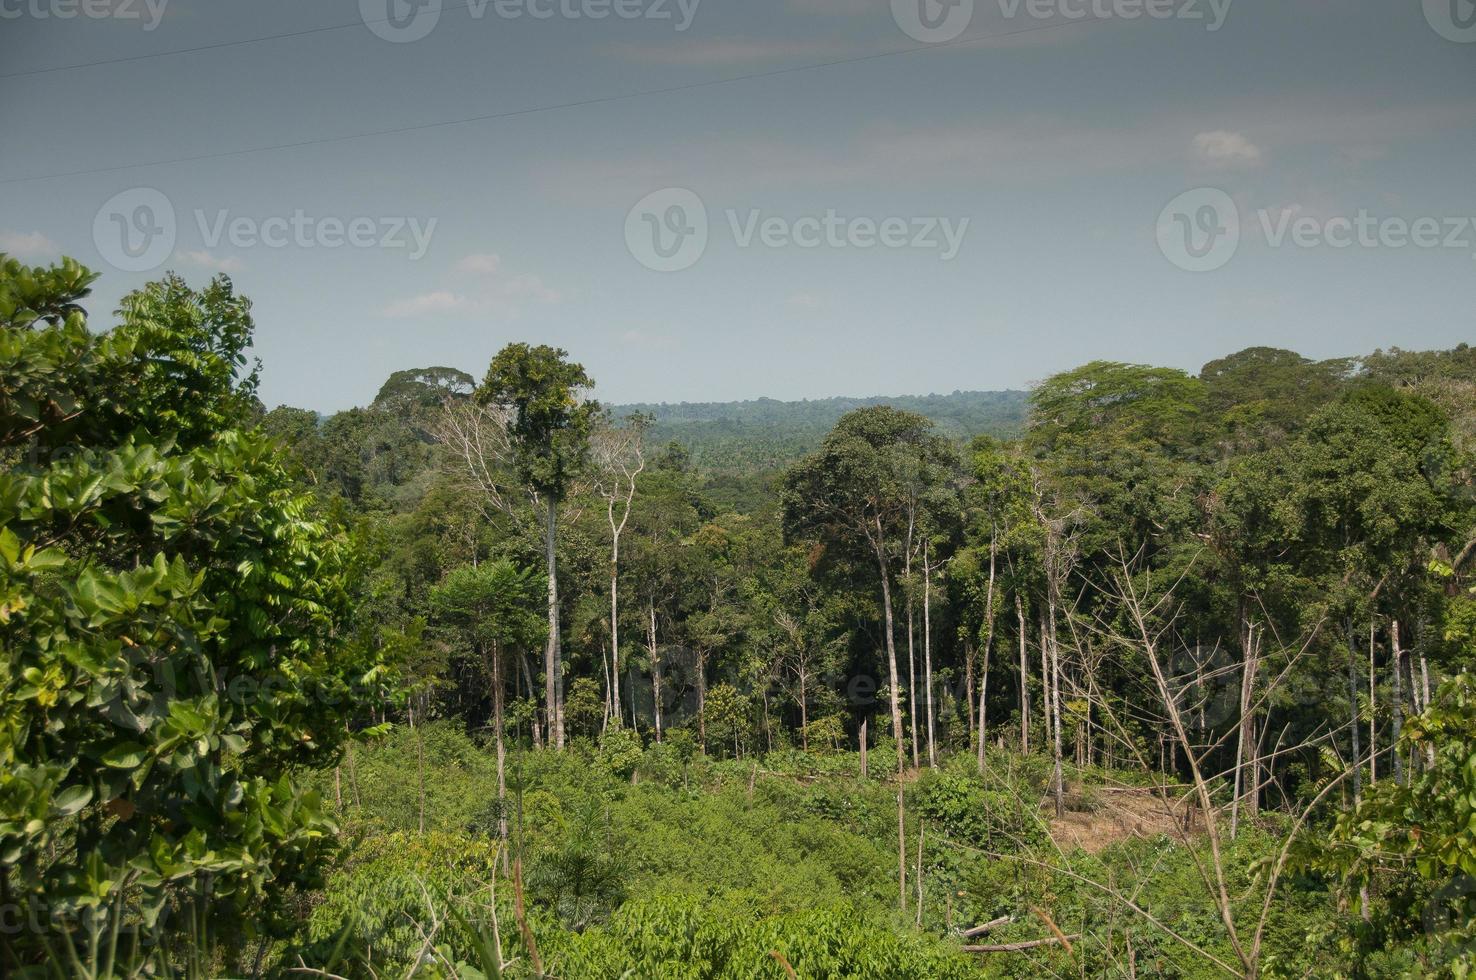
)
(1347, 127)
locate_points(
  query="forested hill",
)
(765, 433)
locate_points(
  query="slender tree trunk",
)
(911, 667)
(886, 584)
(928, 654)
(528, 679)
(615, 624)
(969, 687)
(1048, 641)
(1424, 689)
(498, 726)
(1353, 704)
(553, 666)
(655, 669)
(611, 707)
(1397, 704)
(1245, 738)
(861, 739)
(1024, 678)
(988, 647)
(1373, 735)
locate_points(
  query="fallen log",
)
(1017, 947)
(992, 924)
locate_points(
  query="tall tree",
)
(855, 494)
(619, 457)
(550, 422)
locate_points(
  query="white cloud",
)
(29, 245)
(485, 264)
(1222, 147)
(439, 301)
(207, 261)
(495, 293)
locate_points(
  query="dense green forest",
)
(730, 438)
(1144, 673)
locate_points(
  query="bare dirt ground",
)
(1120, 813)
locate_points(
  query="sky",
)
(723, 199)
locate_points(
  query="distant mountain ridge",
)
(764, 433)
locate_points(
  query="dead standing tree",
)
(617, 457)
(1142, 626)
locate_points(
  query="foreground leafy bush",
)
(175, 617)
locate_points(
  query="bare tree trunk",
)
(615, 625)
(655, 669)
(498, 727)
(1425, 691)
(1048, 642)
(1024, 678)
(886, 584)
(928, 654)
(553, 666)
(911, 666)
(528, 679)
(612, 707)
(1245, 741)
(861, 738)
(988, 646)
(1397, 706)
(1373, 735)
(969, 687)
